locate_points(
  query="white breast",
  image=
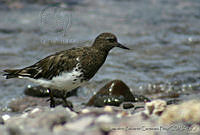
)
(66, 81)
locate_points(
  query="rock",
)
(104, 119)
(141, 98)
(108, 109)
(173, 101)
(156, 107)
(85, 111)
(5, 117)
(114, 93)
(187, 111)
(39, 91)
(108, 120)
(128, 105)
(36, 91)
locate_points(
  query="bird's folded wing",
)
(46, 68)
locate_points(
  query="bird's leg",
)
(67, 103)
(52, 101)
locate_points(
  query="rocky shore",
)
(111, 111)
(156, 118)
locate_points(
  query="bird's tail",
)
(12, 73)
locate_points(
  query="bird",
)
(68, 69)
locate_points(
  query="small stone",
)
(85, 111)
(173, 101)
(5, 117)
(35, 110)
(128, 105)
(36, 91)
(119, 115)
(141, 98)
(39, 91)
(104, 119)
(155, 107)
(108, 109)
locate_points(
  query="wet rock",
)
(36, 91)
(102, 100)
(173, 101)
(39, 91)
(128, 105)
(114, 93)
(141, 98)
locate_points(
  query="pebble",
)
(5, 117)
(128, 105)
(85, 111)
(108, 109)
(35, 110)
(104, 119)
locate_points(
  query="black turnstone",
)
(69, 69)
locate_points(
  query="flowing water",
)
(164, 37)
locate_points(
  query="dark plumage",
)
(81, 64)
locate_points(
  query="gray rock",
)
(44, 117)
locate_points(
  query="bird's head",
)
(107, 41)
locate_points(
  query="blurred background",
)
(164, 36)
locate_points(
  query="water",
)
(164, 37)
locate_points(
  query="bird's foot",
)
(67, 103)
(52, 103)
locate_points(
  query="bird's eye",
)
(111, 39)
